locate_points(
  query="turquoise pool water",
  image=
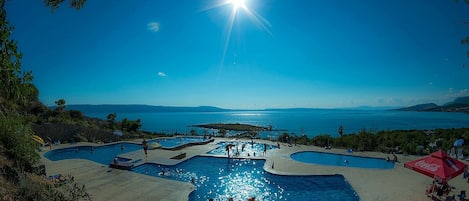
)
(249, 148)
(177, 141)
(222, 178)
(341, 160)
(100, 154)
(105, 154)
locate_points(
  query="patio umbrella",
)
(438, 166)
(458, 143)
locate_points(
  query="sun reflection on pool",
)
(222, 178)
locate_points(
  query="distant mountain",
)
(460, 104)
(141, 108)
(420, 107)
(365, 107)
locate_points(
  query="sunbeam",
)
(239, 6)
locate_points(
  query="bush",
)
(16, 137)
(38, 188)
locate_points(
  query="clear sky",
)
(266, 54)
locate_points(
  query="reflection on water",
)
(222, 178)
(241, 149)
(247, 114)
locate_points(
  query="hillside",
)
(141, 108)
(460, 104)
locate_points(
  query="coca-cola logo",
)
(431, 167)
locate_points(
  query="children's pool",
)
(341, 160)
(223, 178)
(250, 148)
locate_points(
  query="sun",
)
(239, 7)
(237, 4)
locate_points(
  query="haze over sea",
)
(310, 122)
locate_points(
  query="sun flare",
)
(237, 4)
(239, 7)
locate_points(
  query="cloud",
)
(161, 74)
(153, 26)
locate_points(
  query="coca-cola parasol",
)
(438, 166)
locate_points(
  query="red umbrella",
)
(438, 165)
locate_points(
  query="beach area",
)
(104, 183)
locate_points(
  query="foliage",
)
(130, 125)
(76, 115)
(54, 4)
(60, 105)
(401, 141)
(35, 187)
(16, 137)
(322, 140)
(16, 89)
(111, 118)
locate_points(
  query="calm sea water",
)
(297, 122)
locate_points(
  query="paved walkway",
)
(104, 183)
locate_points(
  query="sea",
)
(297, 122)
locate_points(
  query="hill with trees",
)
(460, 104)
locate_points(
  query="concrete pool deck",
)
(105, 183)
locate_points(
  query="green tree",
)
(15, 85)
(54, 4)
(60, 104)
(111, 120)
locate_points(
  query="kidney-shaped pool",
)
(322, 158)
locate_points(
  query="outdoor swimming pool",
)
(104, 154)
(177, 141)
(249, 148)
(101, 154)
(341, 160)
(222, 178)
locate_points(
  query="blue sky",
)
(278, 53)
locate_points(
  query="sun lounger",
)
(121, 163)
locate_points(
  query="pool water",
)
(100, 154)
(223, 178)
(341, 160)
(249, 148)
(177, 141)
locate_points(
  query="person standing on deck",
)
(145, 146)
(265, 148)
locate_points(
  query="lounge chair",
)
(121, 163)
